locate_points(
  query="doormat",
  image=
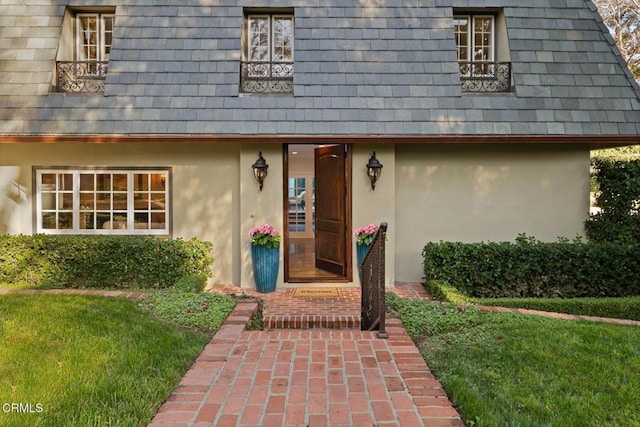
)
(316, 292)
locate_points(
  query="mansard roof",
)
(362, 68)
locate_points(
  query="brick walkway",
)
(333, 375)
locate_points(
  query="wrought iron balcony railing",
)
(81, 76)
(266, 77)
(484, 76)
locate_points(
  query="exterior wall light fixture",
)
(260, 169)
(374, 169)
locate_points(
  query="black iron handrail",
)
(373, 285)
(266, 77)
(485, 76)
(81, 76)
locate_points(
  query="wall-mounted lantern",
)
(260, 169)
(374, 169)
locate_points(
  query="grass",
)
(502, 369)
(93, 360)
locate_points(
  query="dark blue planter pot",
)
(266, 262)
(361, 252)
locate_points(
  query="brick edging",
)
(90, 292)
(425, 390)
(554, 315)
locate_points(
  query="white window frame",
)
(271, 45)
(128, 227)
(101, 51)
(471, 45)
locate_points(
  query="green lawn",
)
(81, 361)
(504, 369)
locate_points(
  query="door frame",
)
(348, 277)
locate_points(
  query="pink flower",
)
(265, 235)
(365, 235)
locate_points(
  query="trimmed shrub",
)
(529, 268)
(618, 197)
(120, 262)
(443, 291)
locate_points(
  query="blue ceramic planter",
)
(361, 252)
(266, 262)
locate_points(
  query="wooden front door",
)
(331, 242)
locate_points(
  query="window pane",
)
(119, 201)
(66, 201)
(107, 29)
(88, 32)
(158, 182)
(87, 221)
(86, 182)
(66, 182)
(120, 182)
(482, 38)
(297, 202)
(48, 180)
(141, 202)
(258, 38)
(103, 221)
(48, 201)
(86, 201)
(461, 25)
(103, 181)
(141, 181)
(283, 39)
(65, 220)
(157, 220)
(49, 221)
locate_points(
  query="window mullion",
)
(272, 35)
(130, 203)
(76, 202)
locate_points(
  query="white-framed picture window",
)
(102, 201)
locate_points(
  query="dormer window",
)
(478, 52)
(94, 33)
(267, 65)
(83, 57)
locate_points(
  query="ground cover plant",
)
(81, 360)
(502, 369)
(204, 311)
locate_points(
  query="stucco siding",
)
(205, 188)
(486, 193)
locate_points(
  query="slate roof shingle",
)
(360, 69)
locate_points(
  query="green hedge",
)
(528, 268)
(120, 262)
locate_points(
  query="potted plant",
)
(364, 237)
(265, 256)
